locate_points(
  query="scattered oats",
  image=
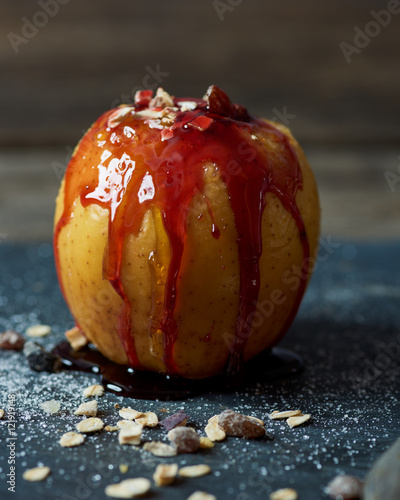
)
(123, 468)
(88, 409)
(123, 424)
(345, 487)
(129, 414)
(195, 470)
(38, 330)
(276, 415)
(295, 421)
(187, 105)
(284, 494)
(213, 430)
(129, 488)
(130, 434)
(93, 390)
(206, 443)
(165, 474)
(90, 425)
(70, 439)
(149, 419)
(36, 474)
(159, 449)
(201, 495)
(51, 406)
(238, 425)
(1, 414)
(76, 338)
(111, 428)
(185, 439)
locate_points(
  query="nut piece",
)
(1, 414)
(111, 428)
(284, 494)
(70, 439)
(88, 409)
(129, 414)
(93, 390)
(38, 330)
(185, 439)
(159, 449)
(201, 495)
(118, 116)
(295, 421)
(129, 488)
(90, 425)
(76, 338)
(276, 415)
(345, 487)
(130, 434)
(161, 100)
(165, 475)
(51, 406)
(187, 105)
(39, 359)
(206, 443)
(195, 470)
(213, 430)
(235, 424)
(36, 474)
(11, 340)
(149, 419)
(178, 418)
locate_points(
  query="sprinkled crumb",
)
(38, 330)
(36, 474)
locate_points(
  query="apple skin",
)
(208, 284)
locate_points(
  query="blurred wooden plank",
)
(267, 55)
(357, 203)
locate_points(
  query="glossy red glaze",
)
(140, 161)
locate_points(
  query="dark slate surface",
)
(347, 331)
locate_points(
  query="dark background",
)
(269, 56)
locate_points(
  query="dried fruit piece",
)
(76, 338)
(284, 494)
(11, 340)
(148, 419)
(195, 470)
(165, 474)
(111, 428)
(276, 415)
(70, 439)
(38, 330)
(88, 409)
(298, 420)
(178, 418)
(36, 474)
(51, 406)
(130, 434)
(129, 488)
(185, 439)
(236, 424)
(159, 449)
(143, 97)
(345, 487)
(39, 359)
(201, 495)
(129, 414)
(88, 425)
(213, 430)
(187, 105)
(219, 102)
(93, 390)
(206, 442)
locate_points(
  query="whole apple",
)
(185, 231)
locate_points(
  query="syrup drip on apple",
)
(152, 154)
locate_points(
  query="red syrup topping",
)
(140, 162)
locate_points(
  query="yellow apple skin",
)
(208, 285)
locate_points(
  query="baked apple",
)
(184, 233)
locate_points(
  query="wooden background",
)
(269, 56)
